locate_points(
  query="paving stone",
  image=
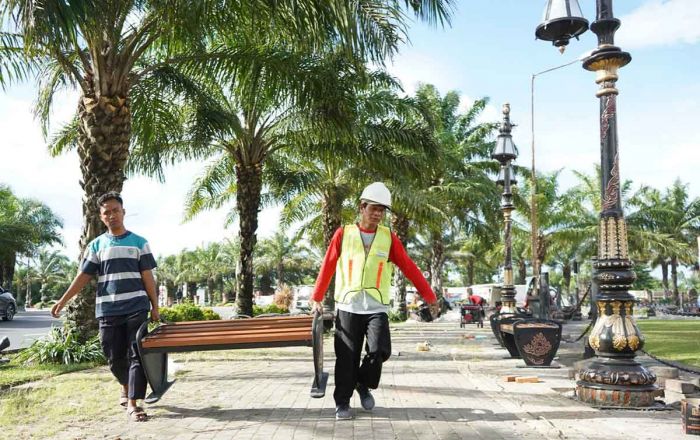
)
(679, 386)
(453, 391)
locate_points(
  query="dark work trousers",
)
(118, 338)
(350, 332)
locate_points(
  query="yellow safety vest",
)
(355, 273)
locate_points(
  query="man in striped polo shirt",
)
(126, 291)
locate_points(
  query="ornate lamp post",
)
(613, 378)
(505, 152)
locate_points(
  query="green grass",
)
(47, 408)
(677, 341)
(13, 373)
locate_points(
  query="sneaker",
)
(366, 398)
(342, 412)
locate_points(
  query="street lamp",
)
(613, 378)
(505, 152)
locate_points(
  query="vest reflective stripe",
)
(374, 276)
(379, 274)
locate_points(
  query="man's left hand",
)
(155, 315)
(434, 309)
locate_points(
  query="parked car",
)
(302, 295)
(8, 305)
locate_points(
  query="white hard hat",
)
(378, 194)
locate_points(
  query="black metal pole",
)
(507, 289)
(613, 378)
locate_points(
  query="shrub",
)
(272, 308)
(168, 314)
(210, 315)
(187, 312)
(395, 316)
(61, 346)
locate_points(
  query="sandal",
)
(123, 398)
(136, 414)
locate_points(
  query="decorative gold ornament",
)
(622, 226)
(616, 305)
(538, 346)
(619, 342)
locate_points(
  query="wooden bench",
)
(263, 332)
(536, 341)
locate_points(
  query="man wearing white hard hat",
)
(362, 258)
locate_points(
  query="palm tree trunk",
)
(104, 134)
(170, 291)
(249, 181)
(664, 277)
(332, 220)
(436, 262)
(567, 277)
(8, 271)
(470, 271)
(522, 271)
(280, 274)
(399, 224)
(210, 290)
(192, 291)
(674, 280)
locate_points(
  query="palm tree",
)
(674, 216)
(51, 269)
(307, 146)
(135, 58)
(167, 274)
(279, 254)
(209, 267)
(387, 138)
(25, 226)
(456, 184)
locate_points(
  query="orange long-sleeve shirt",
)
(397, 255)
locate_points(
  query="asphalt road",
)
(26, 327)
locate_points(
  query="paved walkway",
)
(453, 391)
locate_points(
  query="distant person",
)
(479, 301)
(361, 256)
(476, 299)
(126, 291)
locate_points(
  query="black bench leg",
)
(318, 388)
(155, 367)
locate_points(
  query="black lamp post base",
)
(616, 382)
(625, 397)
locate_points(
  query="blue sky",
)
(490, 51)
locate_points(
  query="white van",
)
(302, 295)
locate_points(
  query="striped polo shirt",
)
(118, 262)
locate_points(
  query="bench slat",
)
(196, 340)
(167, 329)
(228, 332)
(252, 321)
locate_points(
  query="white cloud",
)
(661, 23)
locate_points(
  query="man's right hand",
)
(317, 307)
(56, 309)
